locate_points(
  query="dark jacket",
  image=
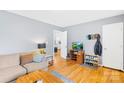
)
(98, 47)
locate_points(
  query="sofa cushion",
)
(25, 59)
(36, 66)
(11, 73)
(9, 60)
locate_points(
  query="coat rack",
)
(92, 36)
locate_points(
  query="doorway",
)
(60, 43)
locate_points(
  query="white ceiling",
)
(64, 18)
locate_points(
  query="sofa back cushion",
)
(9, 60)
(26, 58)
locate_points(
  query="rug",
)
(63, 78)
(89, 66)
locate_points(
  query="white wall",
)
(18, 33)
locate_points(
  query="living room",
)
(28, 46)
(68, 46)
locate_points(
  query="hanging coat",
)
(98, 47)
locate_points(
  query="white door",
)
(113, 45)
(64, 44)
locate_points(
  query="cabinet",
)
(77, 56)
(80, 57)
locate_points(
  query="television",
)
(77, 46)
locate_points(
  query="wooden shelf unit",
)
(78, 56)
(91, 59)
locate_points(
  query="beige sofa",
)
(10, 67)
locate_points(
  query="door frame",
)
(65, 52)
(54, 40)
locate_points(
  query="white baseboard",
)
(113, 68)
(122, 70)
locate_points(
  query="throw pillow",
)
(38, 58)
(25, 59)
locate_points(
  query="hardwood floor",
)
(81, 74)
(46, 77)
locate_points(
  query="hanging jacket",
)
(98, 47)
